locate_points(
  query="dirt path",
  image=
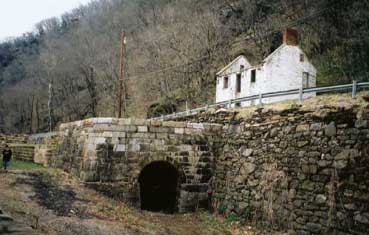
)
(53, 202)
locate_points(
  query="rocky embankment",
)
(9, 226)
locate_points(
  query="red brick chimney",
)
(290, 37)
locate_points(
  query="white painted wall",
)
(280, 71)
(223, 94)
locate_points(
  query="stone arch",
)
(158, 184)
(145, 161)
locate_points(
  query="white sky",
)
(20, 16)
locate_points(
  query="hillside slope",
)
(173, 51)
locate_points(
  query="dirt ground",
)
(52, 202)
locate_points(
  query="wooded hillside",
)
(173, 51)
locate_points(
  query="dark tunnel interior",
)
(158, 187)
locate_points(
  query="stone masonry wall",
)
(28, 148)
(43, 154)
(12, 139)
(23, 152)
(303, 171)
(306, 172)
(45, 147)
(107, 150)
(19, 145)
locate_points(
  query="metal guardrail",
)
(43, 135)
(39, 137)
(353, 87)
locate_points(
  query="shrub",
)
(221, 209)
(232, 217)
(166, 105)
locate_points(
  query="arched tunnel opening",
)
(158, 187)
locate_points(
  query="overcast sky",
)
(20, 16)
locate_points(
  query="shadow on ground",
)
(51, 194)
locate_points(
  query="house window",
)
(253, 75)
(225, 83)
(305, 80)
(242, 68)
(302, 57)
(238, 83)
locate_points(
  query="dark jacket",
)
(7, 154)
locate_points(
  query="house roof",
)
(259, 63)
(230, 64)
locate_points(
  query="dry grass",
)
(310, 104)
(43, 195)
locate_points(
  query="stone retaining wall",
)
(45, 147)
(23, 152)
(12, 139)
(43, 154)
(19, 145)
(307, 172)
(302, 171)
(30, 148)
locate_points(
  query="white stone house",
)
(287, 68)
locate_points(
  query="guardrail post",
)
(301, 95)
(206, 107)
(354, 89)
(230, 103)
(162, 117)
(260, 99)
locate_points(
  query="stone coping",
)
(134, 122)
(23, 145)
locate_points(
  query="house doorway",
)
(158, 187)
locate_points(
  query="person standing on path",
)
(7, 155)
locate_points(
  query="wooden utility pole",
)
(120, 75)
(49, 106)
